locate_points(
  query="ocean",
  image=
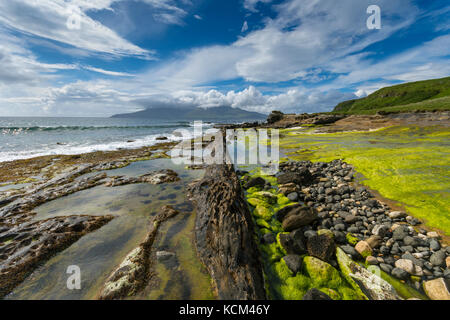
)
(23, 138)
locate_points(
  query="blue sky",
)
(98, 58)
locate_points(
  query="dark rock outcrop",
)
(224, 235)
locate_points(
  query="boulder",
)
(301, 177)
(397, 214)
(351, 251)
(400, 233)
(380, 230)
(371, 260)
(364, 249)
(321, 246)
(437, 289)
(255, 182)
(299, 217)
(293, 262)
(315, 294)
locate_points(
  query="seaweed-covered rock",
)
(367, 284)
(322, 273)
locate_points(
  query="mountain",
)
(428, 95)
(209, 114)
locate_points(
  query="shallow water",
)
(100, 252)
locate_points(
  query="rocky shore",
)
(313, 214)
(26, 243)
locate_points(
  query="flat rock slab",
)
(30, 244)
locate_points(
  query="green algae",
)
(351, 239)
(322, 273)
(408, 165)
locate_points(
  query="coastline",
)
(47, 172)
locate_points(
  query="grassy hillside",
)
(425, 95)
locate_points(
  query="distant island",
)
(209, 114)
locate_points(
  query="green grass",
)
(428, 95)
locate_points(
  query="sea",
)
(23, 138)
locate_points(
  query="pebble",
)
(400, 274)
(396, 214)
(371, 260)
(434, 245)
(293, 196)
(438, 258)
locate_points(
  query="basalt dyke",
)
(224, 234)
(319, 231)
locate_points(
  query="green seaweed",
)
(351, 239)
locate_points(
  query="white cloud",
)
(48, 19)
(306, 40)
(109, 73)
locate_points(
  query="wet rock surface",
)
(26, 243)
(26, 246)
(157, 177)
(224, 235)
